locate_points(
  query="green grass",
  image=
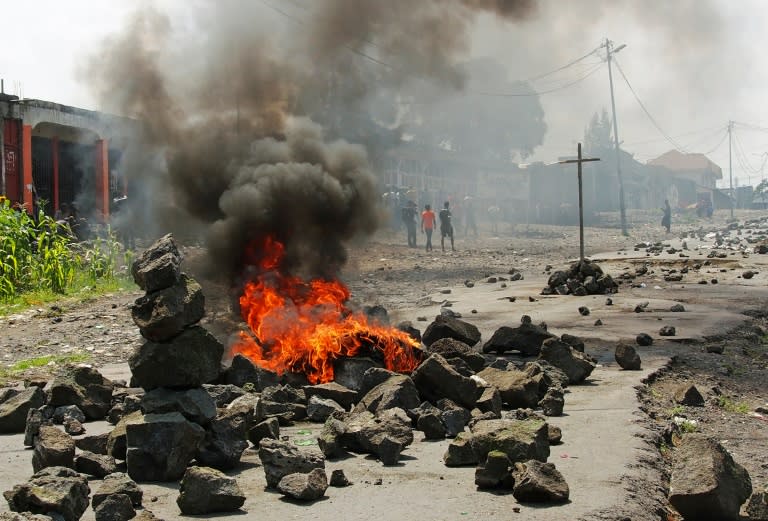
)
(729, 405)
(677, 410)
(687, 427)
(19, 367)
(82, 290)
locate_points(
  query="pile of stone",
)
(581, 279)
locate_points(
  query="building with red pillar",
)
(55, 155)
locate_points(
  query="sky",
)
(695, 64)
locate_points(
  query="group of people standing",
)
(428, 222)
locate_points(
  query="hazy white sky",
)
(695, 64)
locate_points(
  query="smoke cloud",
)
(223, 98)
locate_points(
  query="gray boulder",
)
(386, 435)
(644, 339)
(205, 490)
(431, 425)
(116, 441)
(537, 482)
(165, 313)
(349, 372)
(516, 388)
(242, 371)
(319, 409)
(53, 448)
(195, 404)
(627, 358)
(705, 483)
(34, 422)
(757, 508)
(65, 412)
(304, 487)
(189, 360)
(225, 440)
(520, 440)
(526, 338)
(223, 394)
(160, 446)
(396, 391)
(14, 410)
(495, 472)
(576, 365)
(451, 348)
(490, 401)
(436, 379)
(553, 402)
(97, 465)
(449, 327)
(269, 428)
(118, 483)
(460, 452)
(281, 458)
(96, 443)
(688, 394)
(53, 490)
(159, 266)
(116, 507)
(332, 391)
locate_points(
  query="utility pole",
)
(730, 166)
(609, 51)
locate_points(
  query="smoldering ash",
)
(224, 91)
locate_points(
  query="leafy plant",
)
(729, 405)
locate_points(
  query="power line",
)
(539, 93)
(642, 106)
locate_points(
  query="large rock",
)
(189, 360)
(495, 472)
(54, 490)
(627, 358)
(159, 266)
(526, 338)
(96, 443)
(705, 483)
(53, 448)
(319, 409)
(537, 482)
(281, 458)
(516, 388)
(460, 452)
(165, 313)
(688, 394)
(195, 404)
(304, 487)
(449, 327)
(223, 394)
(14, 410)
(436, 379)
(116, 441)
(118, 483)
(553, 402)
(160, 446)
(451, 348)
(269, 428)
(386, 435)
(86, 388)
(225, 440)
(332, 391)
(97, 465)
(520, 440)
(243, 371)
(395, 391)
(350, 371)
(757, 508)
(116, 507)
(576, 365)
(205, 490)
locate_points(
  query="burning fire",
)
(303, 326)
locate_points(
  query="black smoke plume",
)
(223, 91)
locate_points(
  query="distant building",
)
(695, 167)
(61, 155)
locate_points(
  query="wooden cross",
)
(580, 160)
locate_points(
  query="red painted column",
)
(26, 166)
(55, 161)
(102, 178)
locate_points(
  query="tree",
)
(475, 122)
(598, 136)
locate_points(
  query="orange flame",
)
(302, 326)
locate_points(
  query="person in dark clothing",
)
(446, 226)
(666, 221)
(409, 213)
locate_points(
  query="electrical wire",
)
(642, 106)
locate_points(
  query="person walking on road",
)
(446, 226)
(428, 224)
(666, 221)
(409, 219)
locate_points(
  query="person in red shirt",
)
(428, 224)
